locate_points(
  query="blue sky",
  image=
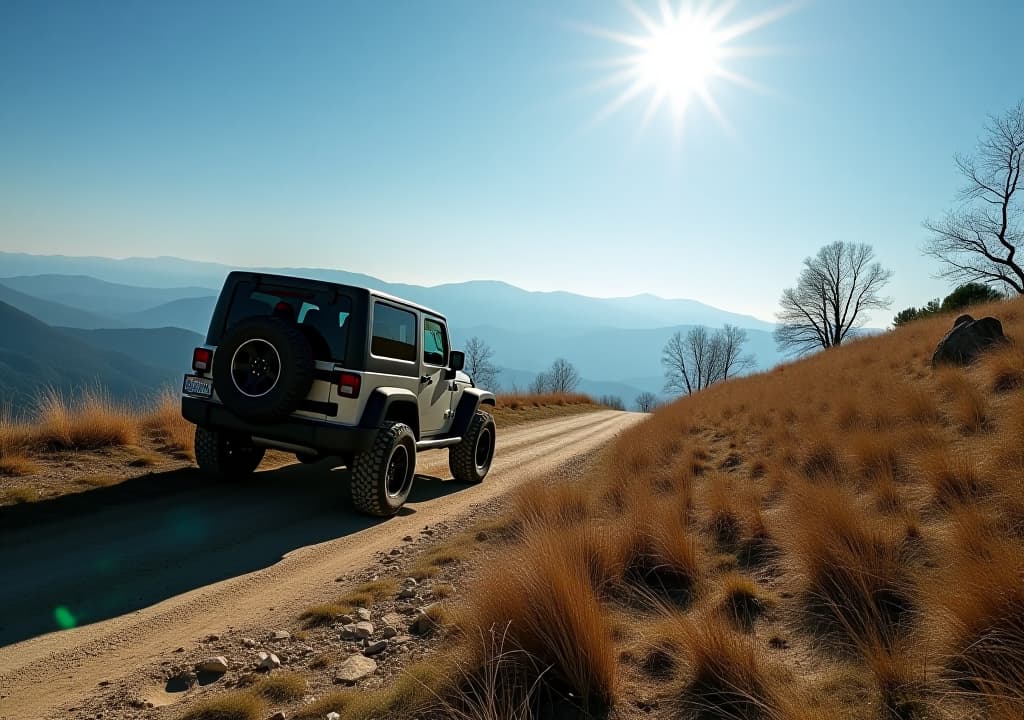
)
(433, 142)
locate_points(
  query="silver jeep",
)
(327, 370)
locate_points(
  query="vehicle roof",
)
(375, 293)
(401, 301)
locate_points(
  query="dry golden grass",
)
(165, 421)
(282, 686)
(545, 603)
(17, 466)
(370, 592)
(89, 422)
(859, 503)
(228, 706)
(323, 614)
(517, 401)
(18, 495)
(725, 674)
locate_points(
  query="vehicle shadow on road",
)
(86, 557)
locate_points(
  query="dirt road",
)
(140, 569)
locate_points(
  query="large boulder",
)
(967, 339)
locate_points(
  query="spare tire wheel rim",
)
(255, 368)
(483, 449)
(397, 471)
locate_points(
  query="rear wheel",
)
(382, 476)
(226, 455)
(470, 460)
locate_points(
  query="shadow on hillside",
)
(81, 558)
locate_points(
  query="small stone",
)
(346, 619)
(282, 635)
(401, 639)
(394, 551)
(387, 561)
(392, 619)
(354, 668)
(333, 716)
(348, 631)
(216, 665)
(375, 648)
(407, 593)
(407, 538)
(363, 629)
(422, 624)
(427, 531)
(363, 614)
(269, 661)
(410, 582)
(249, 642)
(388, 631)
(279, 715)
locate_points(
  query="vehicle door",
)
(435, 397)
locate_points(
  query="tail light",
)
(201, 359)
(348, 385)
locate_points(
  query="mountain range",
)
(156, 309)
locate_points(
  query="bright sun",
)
(679, 56)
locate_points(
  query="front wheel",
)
(225, 455)
(470, 460)
(382, 476)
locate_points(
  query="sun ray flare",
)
(681, 52)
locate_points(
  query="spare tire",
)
(263, 369)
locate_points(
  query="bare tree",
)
(675, 358)
(540, 384)
(646, 402)
(731, 340)
(834, 290)
(701, 358)
(562, 376)
(979, 240)
(479, 363)
(612, 401)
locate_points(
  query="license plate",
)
(203, 387)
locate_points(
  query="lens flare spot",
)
(64, 617)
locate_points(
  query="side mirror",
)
(456, 361)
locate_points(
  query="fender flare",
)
(384, 399)
(469, 403)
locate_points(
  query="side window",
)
(394, 333)
(435, 346)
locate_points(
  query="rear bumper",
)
(328, 439)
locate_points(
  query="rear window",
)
(394, 333)
(325, 324)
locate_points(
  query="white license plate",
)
(203, 387)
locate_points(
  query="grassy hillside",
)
(842, 537)
(35, 356)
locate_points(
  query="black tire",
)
(225, 455)
(263, 369)
(382, 476)
(470, 460)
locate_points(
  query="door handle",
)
(427, 379)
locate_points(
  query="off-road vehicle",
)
(325, 370)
